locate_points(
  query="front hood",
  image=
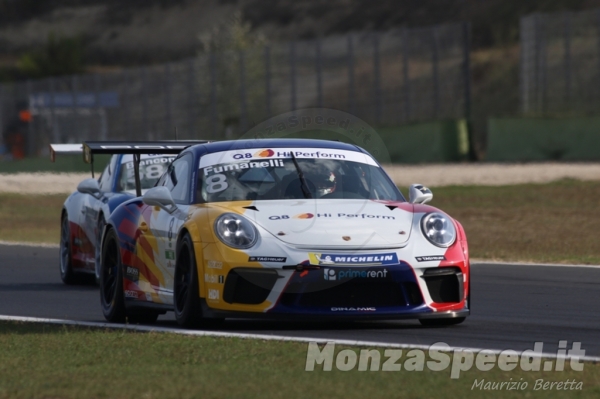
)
(335, 224)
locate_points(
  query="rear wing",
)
(65, 149)
(136, 148)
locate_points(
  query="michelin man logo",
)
(329, 274)
(326, 261)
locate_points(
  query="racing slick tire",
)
(98, 250)
(187, 302)
(112, 297)
(441, 322)
(67, 275)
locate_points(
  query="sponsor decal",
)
(170, 254)
(214, 295)
(267, 259)
(214, 264)
(342, 274)
(148, 297)
(304, 216)
(264, 153)
(132, 273)
(353, 309)
(151, 161)
(170, 264)
(333, 216)
(131, 294)
(430, 258)
(214, 278)
(248, 155)
(362, 259)
(271, 163)
(170, 233)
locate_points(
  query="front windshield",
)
(271, 174)
(152, 168)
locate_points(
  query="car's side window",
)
(177, 178)
(105, 177)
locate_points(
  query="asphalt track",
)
(514, 306)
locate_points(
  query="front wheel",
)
(111, 280)
(188, 309)
(441, 322)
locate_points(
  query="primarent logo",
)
(336, 274)
(441, 357)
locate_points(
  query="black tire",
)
(112, 298)
(67, 275)
(441, 322)
(186, 298)
(99, 229)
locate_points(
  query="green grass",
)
(43, 361)
(30, 218)
(556, 222)
(65, 163)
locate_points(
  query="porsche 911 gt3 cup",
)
(286, 229)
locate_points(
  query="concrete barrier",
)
(543, 139)
(428, 142)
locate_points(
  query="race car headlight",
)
(236, 231)
(439, 229)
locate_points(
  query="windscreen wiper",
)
(303, 184)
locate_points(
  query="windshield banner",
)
(266, 154)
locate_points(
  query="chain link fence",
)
(387, 79)
(560, 64)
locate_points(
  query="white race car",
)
(282, 228)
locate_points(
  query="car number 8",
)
(216, 183)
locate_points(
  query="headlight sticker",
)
(278, 259)
(430, 258)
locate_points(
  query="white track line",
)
(28, 244)
(492, 263)
(266, 337)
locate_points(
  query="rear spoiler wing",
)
(136, 148)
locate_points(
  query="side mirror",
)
(160, 196)
(419, 194)
(89, 186)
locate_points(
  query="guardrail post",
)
(377, 79)
(213, 93)
(435, 72)
(293, 75)
(351, 89)
(406, 73)
(191, 97)
(171, 129)
(243, 103)
(268, 81)
(319, 72)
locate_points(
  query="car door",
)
(90, 211)
(164, 225)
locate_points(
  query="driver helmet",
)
(325, 183)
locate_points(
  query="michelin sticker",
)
(343, 259)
